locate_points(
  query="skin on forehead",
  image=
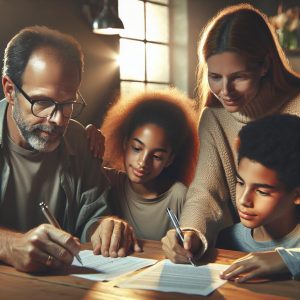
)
(47, 74)
(227, 63)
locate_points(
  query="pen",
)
(53, 221)
(179, 233)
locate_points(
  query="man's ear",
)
(297, 196)
(8, 89)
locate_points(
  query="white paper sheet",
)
(168, 277)
(100, 268)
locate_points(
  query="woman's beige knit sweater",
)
(210, 204)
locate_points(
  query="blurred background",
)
(156, 48)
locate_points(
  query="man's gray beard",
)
(30, 133)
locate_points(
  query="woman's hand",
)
(178, 253)
(254, 265)
(96, 139)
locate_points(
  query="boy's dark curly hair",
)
(169, 110)
(274, 142)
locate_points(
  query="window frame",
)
(146, 41)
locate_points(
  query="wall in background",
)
(101, 83)
(101, 77)
(199, 12)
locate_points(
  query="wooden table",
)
(17, 285)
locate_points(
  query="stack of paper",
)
(164, 276)
(168, 277)
(100, 268)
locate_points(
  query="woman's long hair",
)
(245, 30)
(169, 110)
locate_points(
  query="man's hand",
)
(39, 249)
(174, 250)
(254, 265)
(96, 139)
(114, 237)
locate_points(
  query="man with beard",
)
(44, 156)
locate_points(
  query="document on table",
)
(100, 268)
(168, 277)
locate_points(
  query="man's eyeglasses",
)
(47, 108)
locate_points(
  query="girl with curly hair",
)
(151, 147)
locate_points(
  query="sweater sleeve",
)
(206, 207)
(291, 258)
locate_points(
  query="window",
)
(144, 45)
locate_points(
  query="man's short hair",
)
(274, 142)
(22, 45)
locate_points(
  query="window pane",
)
(158, 63)
(157, 23)
(132, 88)
(131, 13)
(132, 60)
(161, 1)
(156, 87)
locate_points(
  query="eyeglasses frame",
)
(57, 104)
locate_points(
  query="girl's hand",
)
(114, 237)
(96, 139)
(254, 265)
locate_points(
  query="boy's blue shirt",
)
(238, 237)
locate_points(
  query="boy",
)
(268, 198)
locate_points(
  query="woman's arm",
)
(206, 208)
